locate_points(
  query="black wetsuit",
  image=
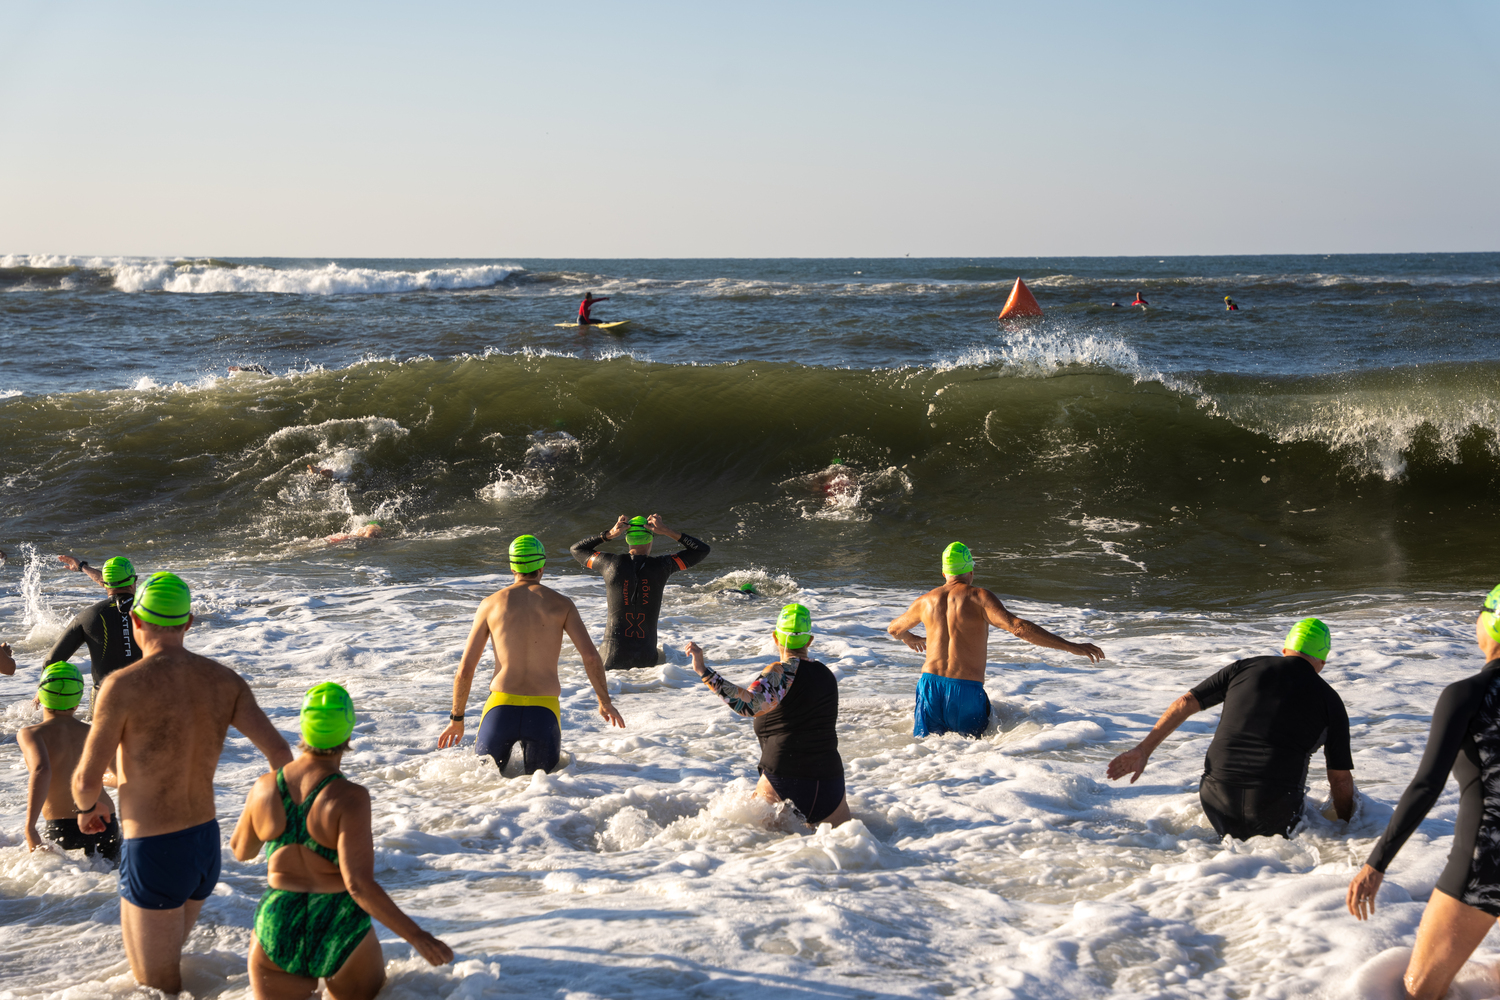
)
(1465, 739)
(1277, 711)
(106, 629)
(799, 748)
(633, 588)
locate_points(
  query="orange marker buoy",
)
(1021, 303)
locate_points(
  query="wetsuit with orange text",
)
(633, 585)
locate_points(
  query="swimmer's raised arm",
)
(463, 680)
(1133, 761)
(996, 613)
(763, 694)
(77, 566)
(902, 626)
(593, 664)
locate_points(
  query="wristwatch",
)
(455, 717)
(81, 564)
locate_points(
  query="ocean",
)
(1177, 484)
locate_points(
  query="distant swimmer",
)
(314, 920)
(256, 369)
(52, 750)
(1229, 304)
(957, 616)
(1277, 711)
(634, 583)
(795, 705)
(585, 309)
(836, 481)
(370, 529)
(1139, 301)
(104, 626)
(166, 717)
(526, 623)
(1465, 903)
(318, 470)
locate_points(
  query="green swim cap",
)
(118, 572)
(1309, 636)
(636, 532)
(747, 588)
(794, 626)
(1487, 617)
(61, 688)
(527, 554)
(327, 716)
(957, 560)
(163, 599)
(376, 523)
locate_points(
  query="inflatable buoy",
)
(1021, 303)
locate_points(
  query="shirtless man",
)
(167, 716)
(52, 749)
(957, 616)
(526, 622)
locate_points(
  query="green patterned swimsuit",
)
(307, 933)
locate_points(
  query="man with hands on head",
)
(1464, 740)
(525, 622)
(166, 716)
(957, 617)
(1277, 711)
(633, 586)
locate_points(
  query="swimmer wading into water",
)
(314, 920)
(526, 622)
(105, 626)
(633, 586)
(957, 617)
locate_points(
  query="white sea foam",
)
(332, 279)
(1000, 867)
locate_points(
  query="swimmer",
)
(314, 920)
(52, 749)
(166, 717)
(1229, 305)
(795, 705)
(1277, 711)
(634, 584)
(7, 660)
(525, 622)
(1140, 301)
(318, 470)
(585, 308)
(257, 369)
(370, 529)
(1466, 901)
(104, 626)
(957, 616)
(835, 481)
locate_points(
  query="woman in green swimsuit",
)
(314, 921)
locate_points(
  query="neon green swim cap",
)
(118, 572)
(327, 716)
(794, 626)
(636, 532)
(1487, 618)
(527, 554)
(376, 523)
(1309, 636)
(61, 688)
(163, 599)
(957, 560)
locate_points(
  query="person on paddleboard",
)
(586, 306)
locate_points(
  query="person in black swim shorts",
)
(795, 705)
(1464, 740)
(51, 750)
(105, 626)
(1277, 711)
(633, 587)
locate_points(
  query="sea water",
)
(1176, 485)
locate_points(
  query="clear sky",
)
(746, 130)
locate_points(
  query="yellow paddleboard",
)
(614, 327)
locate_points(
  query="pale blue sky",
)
(768, 129)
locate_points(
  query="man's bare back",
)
(167, 716)
(957, 617)
(60, 742)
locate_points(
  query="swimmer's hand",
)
(916, 642)
(95, 820)
(695, 651)
(1131, 762)
(33, 841)
(1093, 652)
(654, 522)
(618, 529)
(453, 735)
(607, 711)
(1362, 890)
(430, 948)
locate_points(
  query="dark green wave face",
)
(1070, 483)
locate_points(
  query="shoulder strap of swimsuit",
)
(307, 841)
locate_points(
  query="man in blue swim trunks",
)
(167, 715)
(957, 617)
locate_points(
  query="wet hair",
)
(534, 575)
(322, 751)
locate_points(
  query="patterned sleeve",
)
(763, 694)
